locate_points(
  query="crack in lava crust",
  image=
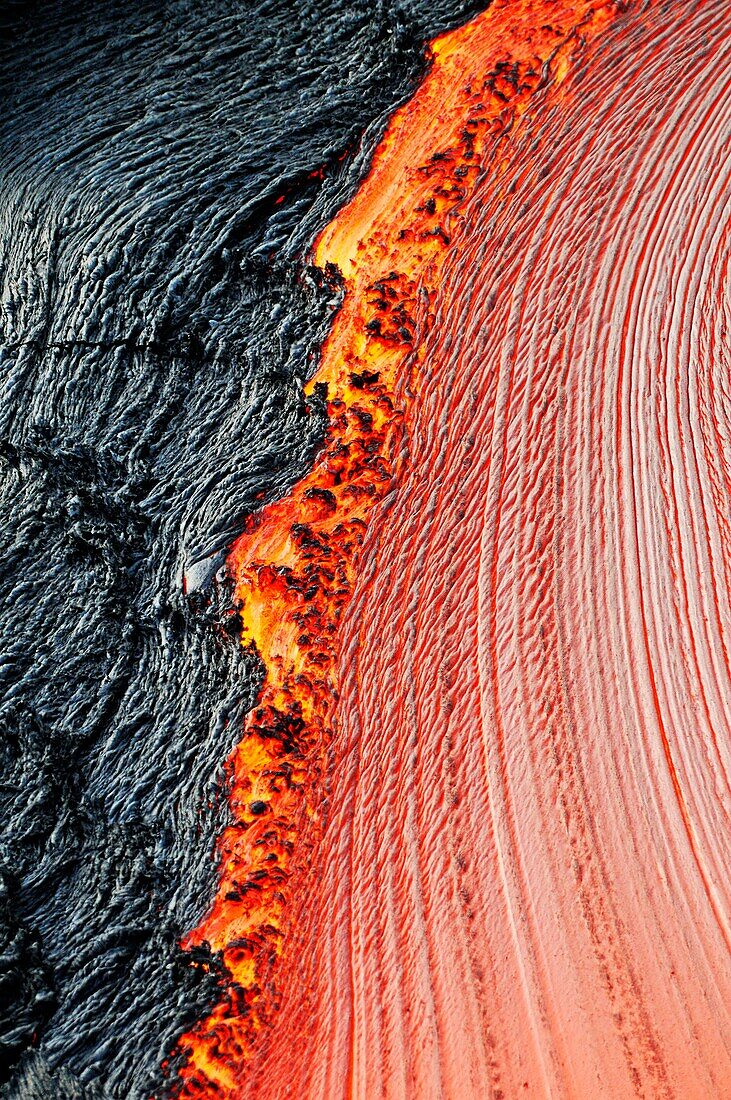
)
(488, 694)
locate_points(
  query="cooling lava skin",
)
(481, 809)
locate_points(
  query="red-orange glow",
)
(295, 563)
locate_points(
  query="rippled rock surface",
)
(367, 606)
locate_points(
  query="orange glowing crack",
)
(294, 564)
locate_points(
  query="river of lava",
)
(481, 830)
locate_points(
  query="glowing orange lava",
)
(294, 565)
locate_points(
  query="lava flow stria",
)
(480, 811)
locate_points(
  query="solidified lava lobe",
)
(469, 679)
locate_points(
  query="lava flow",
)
(481, 808)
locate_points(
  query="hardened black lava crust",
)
(163, 169)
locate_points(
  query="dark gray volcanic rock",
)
(161, 180)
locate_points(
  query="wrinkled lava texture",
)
(163, 167)
(367, 729)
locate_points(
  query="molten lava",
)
(480, 787)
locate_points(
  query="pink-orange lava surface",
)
(482, 810)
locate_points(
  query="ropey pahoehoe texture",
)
(163, 168)
(367, 608)
(481, 810)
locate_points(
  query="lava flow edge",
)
(294, 565)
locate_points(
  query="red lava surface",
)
(482, 833)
